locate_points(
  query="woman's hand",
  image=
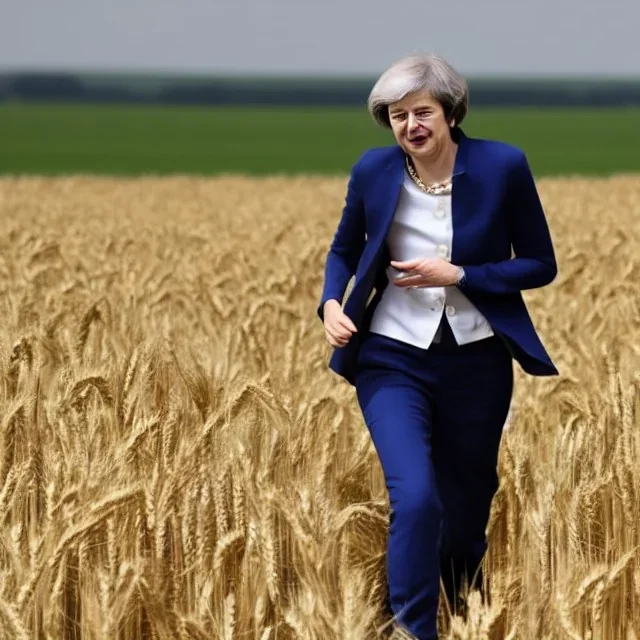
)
(426, 272)
(338, 327)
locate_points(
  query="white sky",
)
(480, 37)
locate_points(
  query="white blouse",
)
(422, 227)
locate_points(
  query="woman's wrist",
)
(332, 301)
(458, 275)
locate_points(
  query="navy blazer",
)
(495, 207)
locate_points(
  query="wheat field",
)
(177, 462)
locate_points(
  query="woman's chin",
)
(419, 151)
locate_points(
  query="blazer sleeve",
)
(347, 245)
(534, 262)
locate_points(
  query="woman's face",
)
(419, 125)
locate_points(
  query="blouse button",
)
(443, 250)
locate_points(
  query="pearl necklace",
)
(436, 189)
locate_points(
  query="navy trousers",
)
(436, 418)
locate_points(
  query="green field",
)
(133, 140)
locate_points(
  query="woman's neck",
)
(438, 169)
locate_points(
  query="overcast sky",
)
(481, 37)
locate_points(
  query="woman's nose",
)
(411, 122)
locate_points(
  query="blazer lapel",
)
(382, 200)
(388, 187)
(461, 196)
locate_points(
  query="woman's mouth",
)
(419, 140)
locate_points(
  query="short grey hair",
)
(417, 73)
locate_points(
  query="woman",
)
(434, 320)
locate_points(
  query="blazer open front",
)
(495, 209)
